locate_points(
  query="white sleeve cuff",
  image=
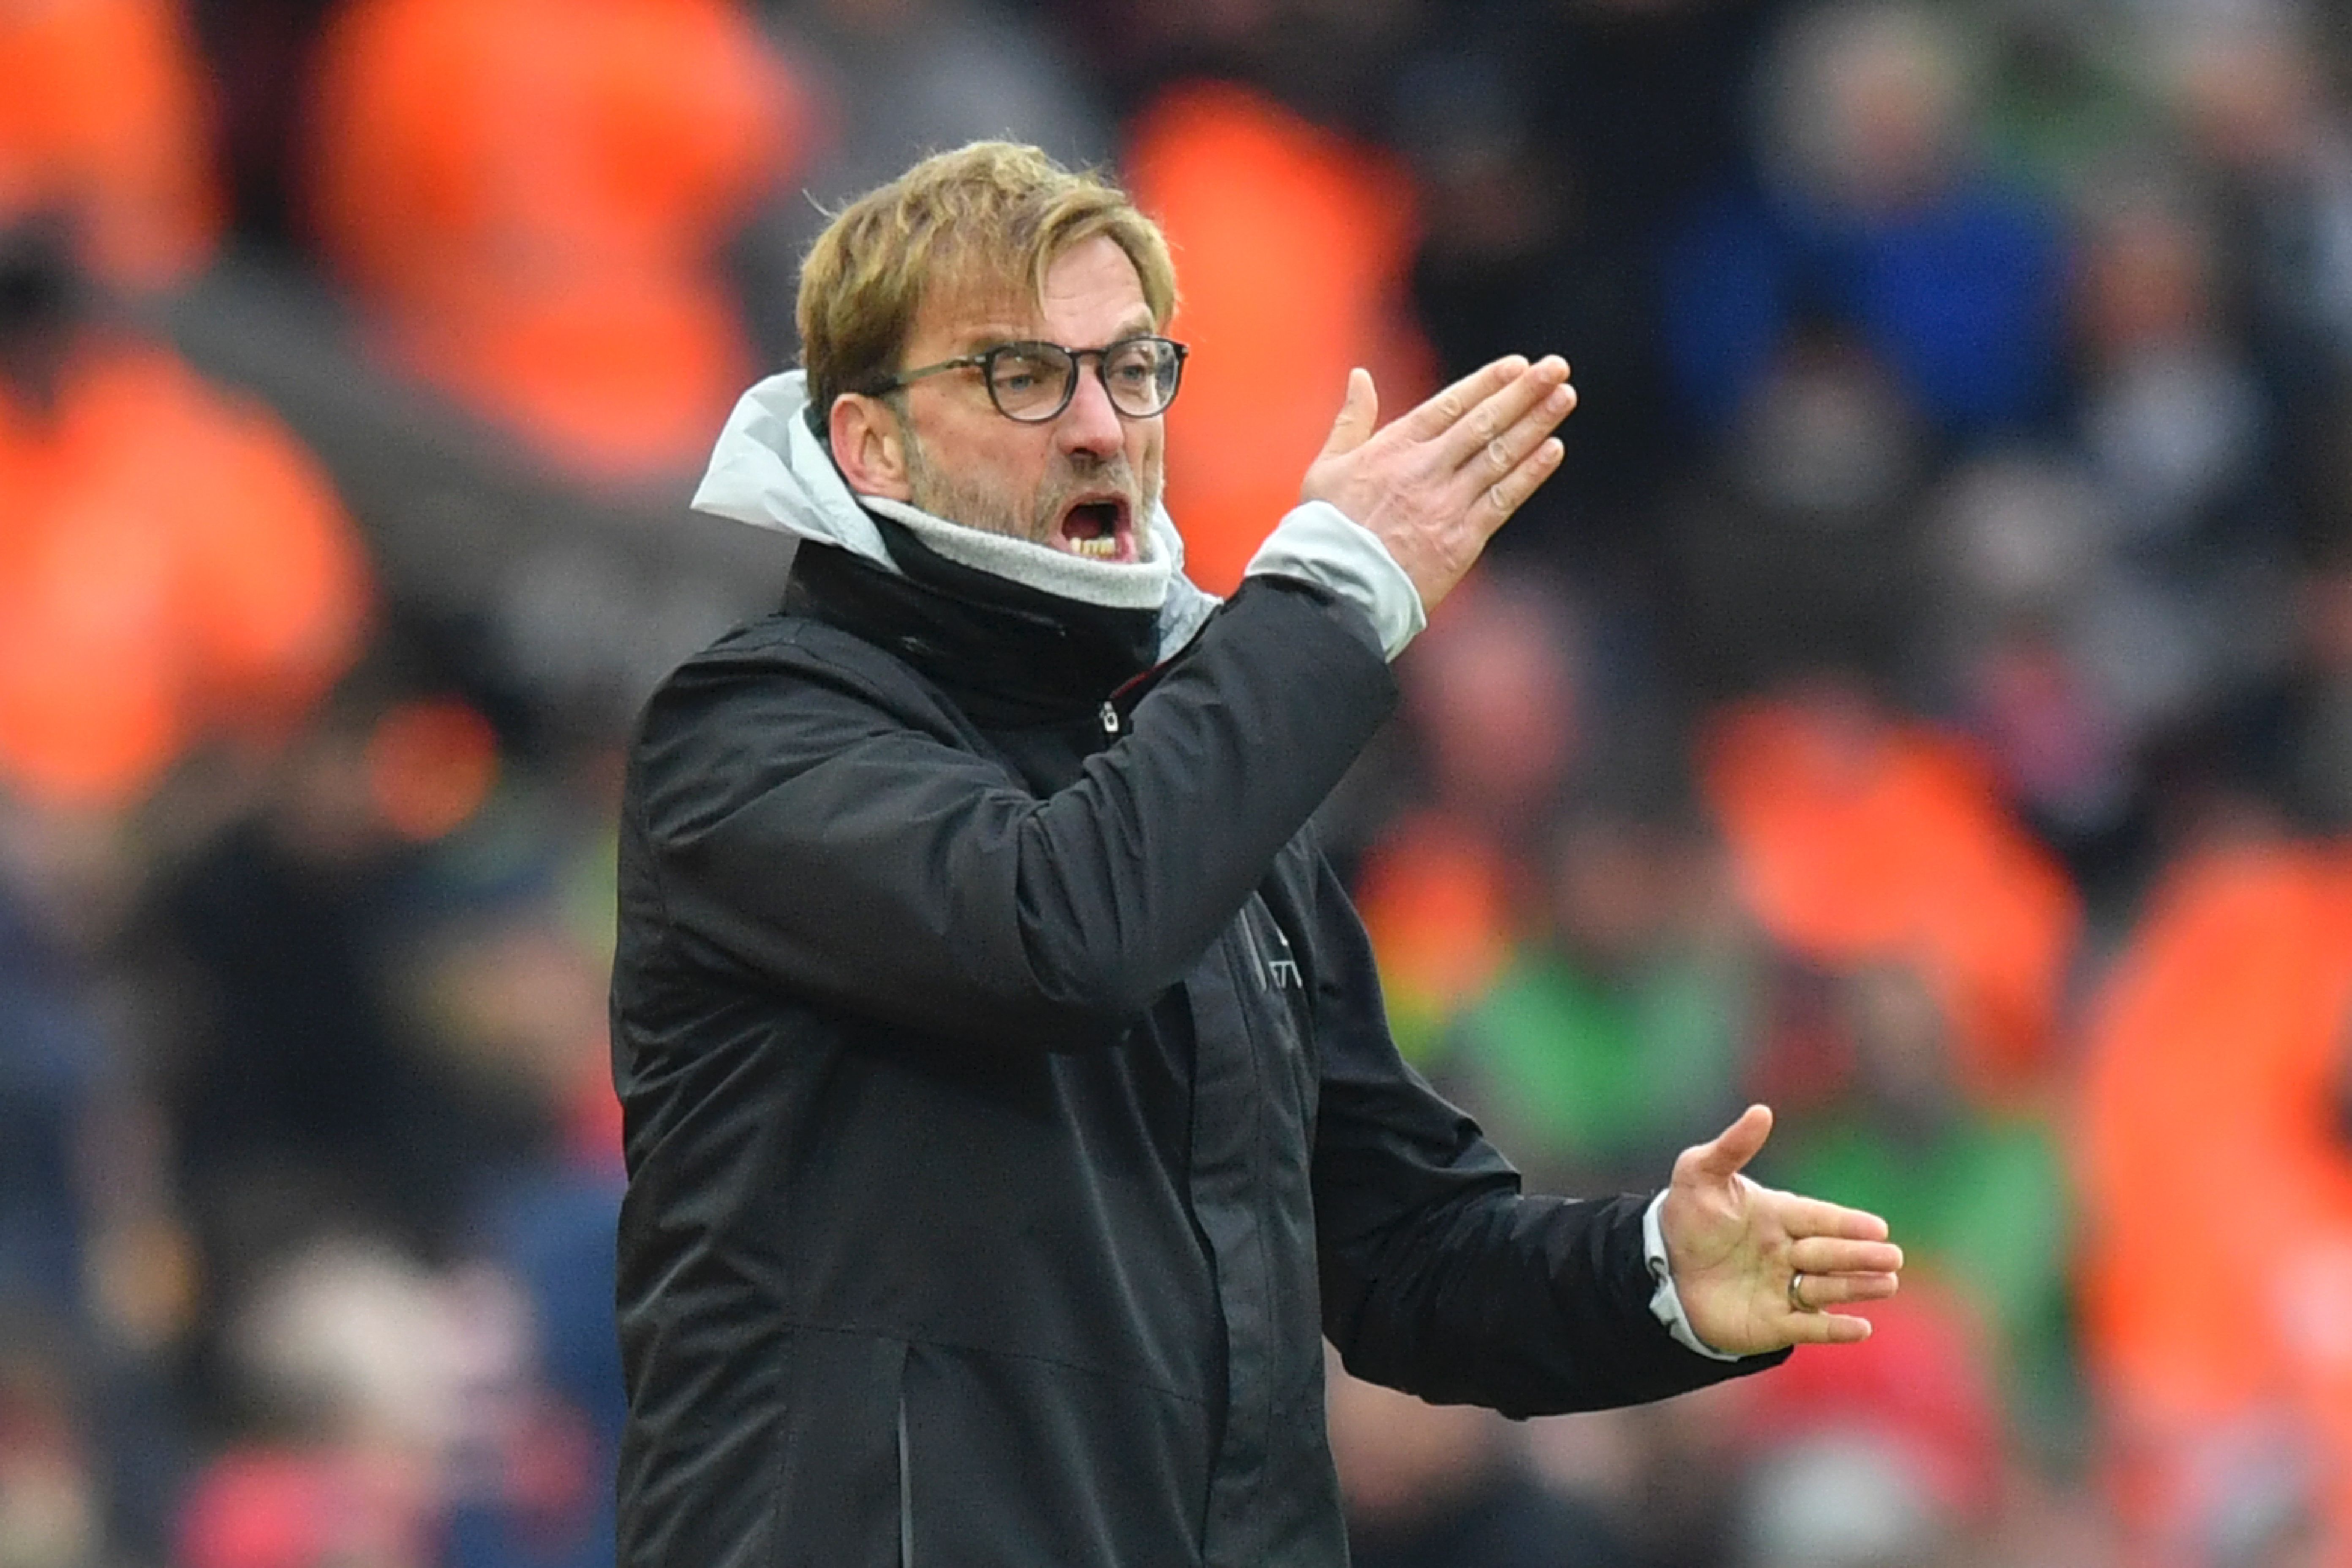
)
(1665, 1302)
(1319, 544)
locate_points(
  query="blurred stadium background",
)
(1924, 701)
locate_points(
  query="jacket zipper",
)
(905, 1493)
(1109, 719)
(1257, 955)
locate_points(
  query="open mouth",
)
(1097, 531)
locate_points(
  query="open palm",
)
(1734, 1247)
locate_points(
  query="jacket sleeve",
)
(804, 834)
(1438, 1276)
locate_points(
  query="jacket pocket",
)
(843, 1498)
(1018, 1462)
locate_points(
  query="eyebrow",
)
(1140, 325)
(986, 337)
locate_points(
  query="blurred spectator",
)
(514, 979)
(52, 1502)
(2180, 436)
(458, 1412)
(2291, 737)
(2217, 1182)
(103, 111)
(897, 78)
(1873, 218)
(1249, 192)
(1795, 546)
(177, 570)
(1891, 1457)
(515, 997)
(2016, 540)
(2173, 420)
(1495, 699)
(1554, 142)
(351, 1371)
(97, 1275)
(2065, 101)
(296, 1066)
(2249, 90)
(530, 200)
(2098, 604)
(1614, 1038)
(1978, 1195)
(540, 1494)
(1448, 1486)
(1859, 835)
(260, 55)
(1331, 62)
(53, 1057)
(1648, 110)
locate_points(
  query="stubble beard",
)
(975, 505)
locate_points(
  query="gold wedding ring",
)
(1797, 1294)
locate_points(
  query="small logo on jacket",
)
(1274, 974)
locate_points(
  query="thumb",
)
(1722, 1158)
(1358, 415)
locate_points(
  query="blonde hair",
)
(990, 214)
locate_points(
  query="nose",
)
(1089, 425)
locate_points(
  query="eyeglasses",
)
(1033, 382)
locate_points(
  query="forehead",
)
(1092, 293)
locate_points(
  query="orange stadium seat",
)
(102, 112)
(1857, 837)
(1442, 905)
(2216, 1172)
(174, 566)
(1294, 247)
(533, 198)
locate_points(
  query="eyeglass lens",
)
(1035, 381)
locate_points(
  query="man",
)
(1009, 1106)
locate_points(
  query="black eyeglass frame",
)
(985, 362)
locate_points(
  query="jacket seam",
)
(935, 1343)
(780, 1465)
(1254, 1033)
(658, 872)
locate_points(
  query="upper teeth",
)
(1105, 545)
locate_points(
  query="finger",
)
(1823, 1292)
(1506, 495)
(1522, 409)
(1804, 1217)
(1450, 406)
(1497, 458)
(1825, 1254)
(1359, 415)
(1825, 1329)
(1723, 1156)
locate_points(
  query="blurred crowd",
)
(1923, 702)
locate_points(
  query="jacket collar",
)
(1005, 652)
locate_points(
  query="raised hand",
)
(1436, 484)
(1757, 1269)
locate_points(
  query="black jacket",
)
(1011, 1112)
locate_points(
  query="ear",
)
(867, 446)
